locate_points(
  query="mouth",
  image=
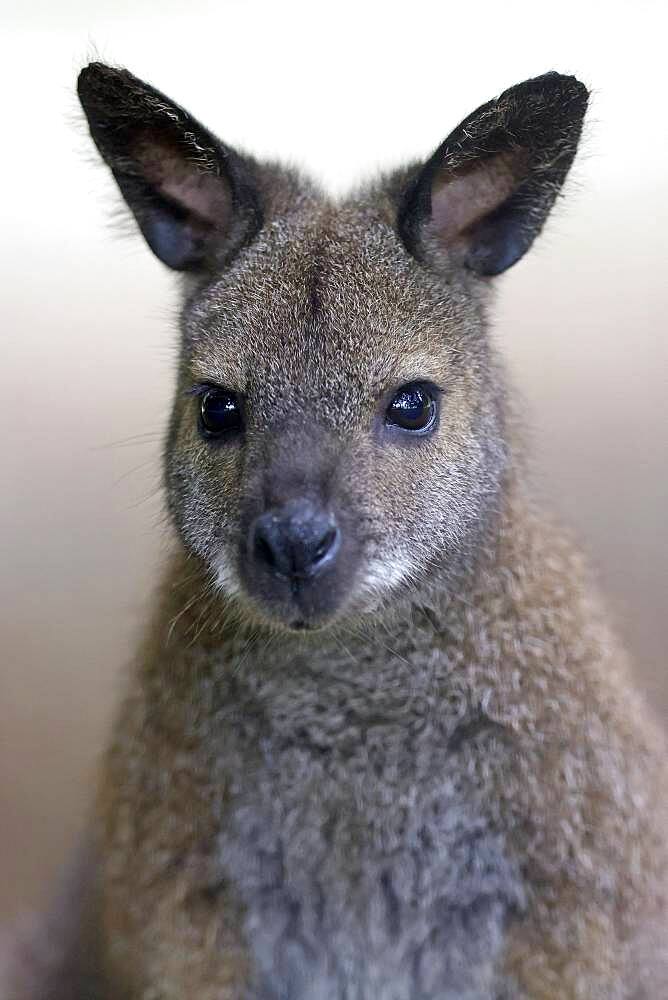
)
(299, 625)
(298, 616)
(296, 600)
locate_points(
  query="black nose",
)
(296, 540)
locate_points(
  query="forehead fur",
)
(328, 298)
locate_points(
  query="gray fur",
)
(367, 865)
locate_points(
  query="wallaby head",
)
(338, 425)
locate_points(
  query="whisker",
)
(136, 468)
(197, 596)
(150, 437)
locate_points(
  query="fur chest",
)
(364, 854)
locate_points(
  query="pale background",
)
(87, 327)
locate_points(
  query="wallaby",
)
(380, 742)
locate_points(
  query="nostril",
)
(264, 552)
(293, 543)
(325, 546)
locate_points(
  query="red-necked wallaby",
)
(380, 743)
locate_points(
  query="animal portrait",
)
(379, 738)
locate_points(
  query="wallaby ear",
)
(483, 196)
(195, 200)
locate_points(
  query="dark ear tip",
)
(99, 84)
(92, 75)
(553, 87)
(570, 86)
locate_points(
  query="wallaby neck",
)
(382, 658)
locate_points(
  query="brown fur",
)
(582, 790)
(448, 787)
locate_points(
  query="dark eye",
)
(220, 413)
(413, 409)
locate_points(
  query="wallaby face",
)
(366, 442)
(338, 431)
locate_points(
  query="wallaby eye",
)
(413, 408)
(220, 413)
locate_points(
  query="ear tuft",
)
(195, 200)
(484, 195)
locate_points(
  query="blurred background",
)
(88, 332)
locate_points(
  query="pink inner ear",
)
(460, 200)
(192, 185)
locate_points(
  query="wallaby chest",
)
(359, 839)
